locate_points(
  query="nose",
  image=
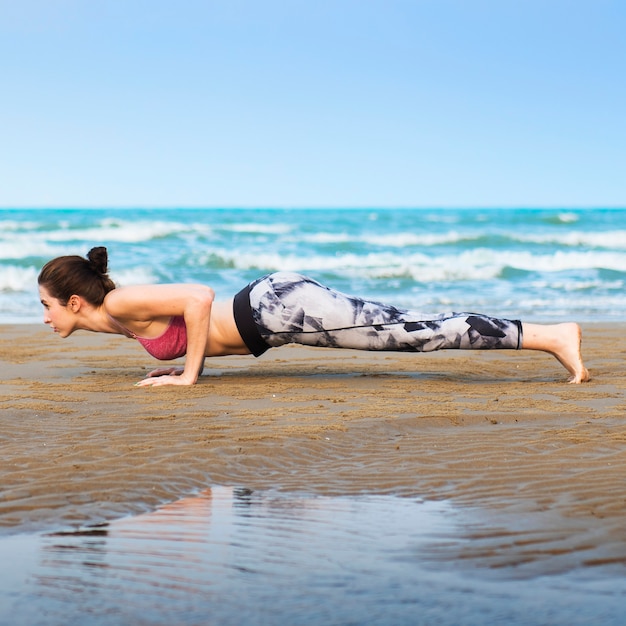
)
(46, 317)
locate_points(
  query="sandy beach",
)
(497, 430)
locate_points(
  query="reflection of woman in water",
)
(183, 319)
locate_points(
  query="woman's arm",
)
(139, 306)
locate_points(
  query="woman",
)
(173, 320)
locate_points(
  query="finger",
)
(149, 382)
(158, 382)
(161, 371)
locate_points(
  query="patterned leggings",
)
(290, 308)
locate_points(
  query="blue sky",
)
(329, 103)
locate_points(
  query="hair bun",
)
(99, 259)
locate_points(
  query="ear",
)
(74, 303)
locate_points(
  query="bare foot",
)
(570, 356)
(563, 342)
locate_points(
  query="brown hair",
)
(71, 275)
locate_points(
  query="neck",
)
(97, 320)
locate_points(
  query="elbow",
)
(204, 299)
(208, 294)
(197, 304)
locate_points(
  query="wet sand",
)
(500, 431)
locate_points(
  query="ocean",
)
(533, 264)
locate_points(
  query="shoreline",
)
(496, 430)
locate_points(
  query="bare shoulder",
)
(146, 301)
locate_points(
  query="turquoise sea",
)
(535, 264)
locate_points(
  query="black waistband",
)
(246, 325)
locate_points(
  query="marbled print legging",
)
(291, 308)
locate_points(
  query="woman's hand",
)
(165, 376)
(166, 371)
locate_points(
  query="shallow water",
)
(231, 556)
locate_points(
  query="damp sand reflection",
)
(232, 556)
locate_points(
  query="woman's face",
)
(60, 317)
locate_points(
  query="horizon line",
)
(313, 207)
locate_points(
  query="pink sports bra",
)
(171, 344)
